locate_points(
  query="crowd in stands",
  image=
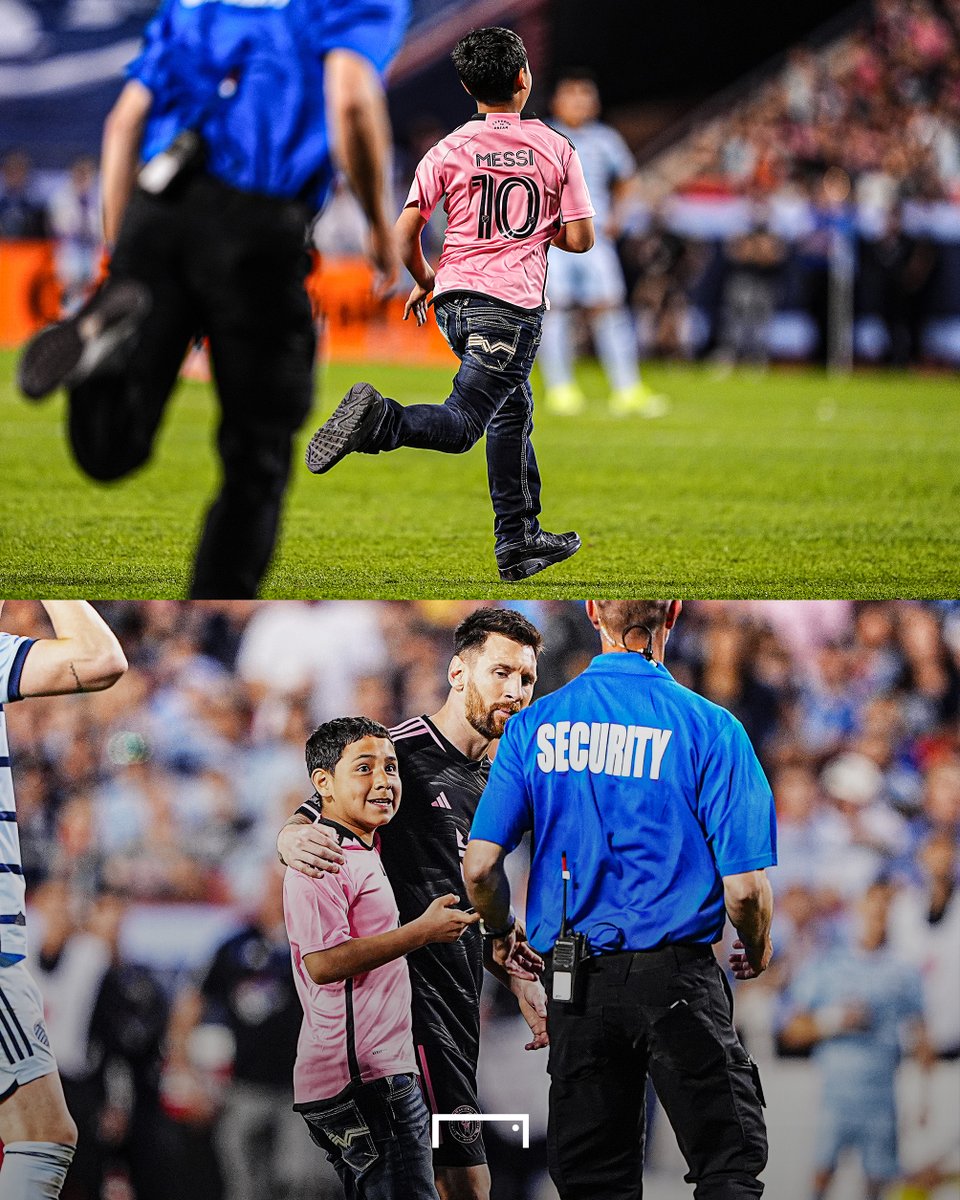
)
(845, 152)
(148, 815)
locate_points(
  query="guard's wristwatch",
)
(500, 933)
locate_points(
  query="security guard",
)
(650, 816)
(240, 110)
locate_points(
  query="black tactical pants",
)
(667, 1013)
(229, 265)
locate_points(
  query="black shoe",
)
(72, 350)
(520, 562)
(348, 428)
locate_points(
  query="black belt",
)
(641, 960)
(620, 962)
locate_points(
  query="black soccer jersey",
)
(422, 850)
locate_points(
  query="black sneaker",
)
(520, 562)
(72, 350)
(348, 428)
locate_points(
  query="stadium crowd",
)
(148, 816)
(850, 149)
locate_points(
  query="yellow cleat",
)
(638, 401)
(565, 400)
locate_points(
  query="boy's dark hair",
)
(488, 62)
(474, 630)
(325, 746)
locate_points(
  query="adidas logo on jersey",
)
(441, 802)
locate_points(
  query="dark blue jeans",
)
(496, 346)
(378, 1138)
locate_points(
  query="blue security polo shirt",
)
(653, 793)
(248, 75)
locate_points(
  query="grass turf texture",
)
(792, 484)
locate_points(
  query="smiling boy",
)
(355, 1078)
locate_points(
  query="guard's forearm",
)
(120, 155)
(487, 883)
(360, 955)
(751, 911)
(361, 130)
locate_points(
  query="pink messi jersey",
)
(362, 1022)
(507, 183)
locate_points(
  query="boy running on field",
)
(511, 187)
(355, 1078)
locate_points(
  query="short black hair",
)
(474, 630)
(325, 746)
(624, 615)
(488, 62)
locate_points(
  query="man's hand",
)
(310, 849)
(515, 954)
(417, 301)
(532, 999)
(385, 258)
(747, 961)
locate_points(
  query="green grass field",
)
(790, 484)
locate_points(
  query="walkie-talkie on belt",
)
(569, 952)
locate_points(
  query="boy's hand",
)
(441, 922)
(417, 302)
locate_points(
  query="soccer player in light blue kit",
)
(594, 281)
(851, 1007)
(37, 1131)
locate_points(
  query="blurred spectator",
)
(895, 275)
(925, 931)
(264, 1149)
(851, 1007)
(75, 223)
(21, 213)
(754, 263)
(861, 834)
(106, 1018)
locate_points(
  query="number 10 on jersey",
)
(494, 201)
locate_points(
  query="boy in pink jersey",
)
(355, 1079)
(511, 188)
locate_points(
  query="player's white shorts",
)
(25, 1052)
(593, 280)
